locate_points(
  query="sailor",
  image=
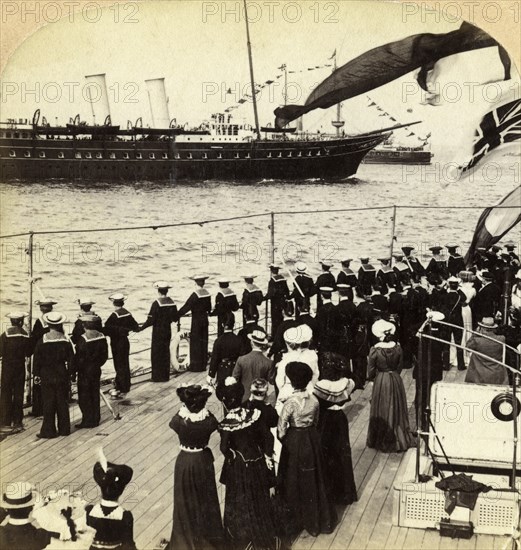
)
(417, 269)
(225, 303)
(200, 305)
(380, 301)
(325, 279)
(402, 269)
(361, 341)
(117, 327)
(395, 304)
(39, 329)
(411, 318)
(347, 277)
(510, 246)
(366, 278)
(346, 311)
(248, 327)
(163, 313)
(278, 347)
(481, 258)
(455, 300)
(487, 301)
(278, 294)
(437, 264)
(306, 285)
(53, 357)
(15, 347)
(455, 262)
(252, 298)
(91, 355)
(386, 275)
(305, 318)
(85, 309)
(328, 323)
(227, 348)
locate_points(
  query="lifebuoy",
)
(175, 343)
(502, 407)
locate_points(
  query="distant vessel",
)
(390, 154)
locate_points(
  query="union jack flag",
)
(499, 126)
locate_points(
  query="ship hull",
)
(170, 160)
(398, 157)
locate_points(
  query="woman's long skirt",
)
(389, 422)
(197, 516)
(302, 485)
(338, 465)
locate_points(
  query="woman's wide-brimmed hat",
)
(487, 322)
(382, 327)
(192, 392)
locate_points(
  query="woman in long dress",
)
(301, 480)
(467, 287)
(388, 422)
(197, 517)
(249, 518)
(333, 391)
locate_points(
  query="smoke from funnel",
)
(158, 102)
(96, 89)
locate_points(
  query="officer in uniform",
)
(455, 262)
(325, 279)
(347, 277)
(278, 294)
(39, 329)
(200, 304)
(91, 355)
(117, 327)
(487, 301)
(225, 304)
(328, 323)
(386, 275)
(85, 309)
(437, 265)
(306, 285)
(346, 311)
(455, 300)
(366, 278)
(252, 298)
(227, 348)
(411, 318)
(15, 347)
(417, 269)
(53, 357)
(163, 313)
(361, 341)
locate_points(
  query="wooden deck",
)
(143, 440)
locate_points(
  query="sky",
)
(200, 49)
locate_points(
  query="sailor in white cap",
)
(163, 313)
(325, 279)
(91, 355)
(307, 286)
(199, 304)
(117, 327)
(39, 329)
(53, 357)
(278, 294)
(252, 298)
(85, 309)
(15, 347)
(225, 304)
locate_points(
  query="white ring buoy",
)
(175, 343)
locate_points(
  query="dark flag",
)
(385, 64)
(494, 223)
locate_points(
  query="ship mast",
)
(338, 123)
(250, 58)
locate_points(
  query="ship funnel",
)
(98, 97)
(158, 102)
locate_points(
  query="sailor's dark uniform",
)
(225, 303)
(486, 303)
(306, 284)
(278, 294)
(329, 329)
(252, 298)
(361, 342)
(15, 346)
(24, 536)
(117, 327)
(244, 333)
(53, 357)
(347, 277)
(91, 355)
(403, 272)
(366, 279)
(346, 315)
(114, 526)
(200, 304)
(387, 277)
(227, 348)
(455, 264)
(438, 266)
(411, 318)
(40, 327)
(79, 329)
(161, 316)
(325, 279)
(380, 305)
(417, 269)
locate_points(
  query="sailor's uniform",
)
(366, 279)
(163, 313)
(455, 264)
(347, 277)
(278, 293)
(403, 271)
(225, 303)
(325, 279)
(438, 266)
(387, 277)
(40, 327)
(200, 305)
(252, 298)
(306, 284)
(15, 346)
(118, 325)
(417, 269)
(78, 328)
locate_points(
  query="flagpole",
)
(250, 58)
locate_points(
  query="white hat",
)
(199, 277)
(487, 322)
(258, 337)
(301, 267)
(162, 284)
(326, 289)
(453, 279)
(16, 315)
(118, 296)
(326, 263)
(55, 318)
(381, 327)
(435, 316)
(18, 494)
(45, 302)
(249, 276)
(86, 302)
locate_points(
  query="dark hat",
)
(510, 245)
(365, 259)
(194, 396)
(19, 494)
(259, 388)
(436, 249)
(407, 249)
(274, 267)
(496, 248)
(487, 275)
(111, 478)
(299, 374)
(230, 391)
(289, 308)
